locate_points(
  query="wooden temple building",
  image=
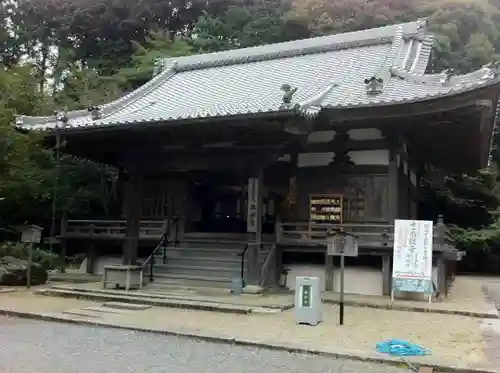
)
(246, 158)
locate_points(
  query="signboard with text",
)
(412, 264)
(325, 208)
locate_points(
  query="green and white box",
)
(307, 301)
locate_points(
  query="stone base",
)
(253, 289)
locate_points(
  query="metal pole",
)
(342, 268)
(30, 260)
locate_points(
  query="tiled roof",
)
(328, 72)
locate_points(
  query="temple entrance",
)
(222, 209)
(219, 209)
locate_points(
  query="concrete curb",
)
(347, 355)
(400, 307)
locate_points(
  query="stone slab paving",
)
(28, 346)
(454, 340)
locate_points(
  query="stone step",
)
(186, 251)
(203, 258)
(106, 310)
(201, 261)
(206, 267)
(196, 277)
(83, 312)
(167, 283)
(126, 306)
(134, 298)
(215, 244)
(206, 281)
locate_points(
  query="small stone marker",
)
(307, 301)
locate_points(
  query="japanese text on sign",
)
(326, 208)
(412, 268)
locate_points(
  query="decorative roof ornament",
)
(493, 70)
(289, 92)
(447, 75)
(62, 116)
(374, 85)
(95, 112)
(422, 27)
(158, 66)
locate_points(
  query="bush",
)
(20, 250)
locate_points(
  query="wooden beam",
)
(351, 145)
(467, 101)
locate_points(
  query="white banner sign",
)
(412, 264)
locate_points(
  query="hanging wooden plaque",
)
(326, 208)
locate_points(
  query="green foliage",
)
(246, 25)
(19, 250)
(473, 24)
(157, 46)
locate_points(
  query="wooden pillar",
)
(90, 257)
(292, 184)
(254, 225)
(279, 264)
(393, 214)
(386, 274)
(63, 242)
(178, 209)
(329, 272)
(133, 206)
(393, 186)
(440, 237)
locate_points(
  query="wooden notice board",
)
(326, 208)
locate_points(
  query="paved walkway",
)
(28, 346)
(454, 340)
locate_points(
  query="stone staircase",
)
(203, 260)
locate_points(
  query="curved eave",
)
(236, 119)
(310, 110)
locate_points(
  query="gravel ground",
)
(28, 346)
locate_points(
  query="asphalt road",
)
(28, 346)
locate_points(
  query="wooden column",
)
(441, 261)
(386, 274)
(63, 241)
(329, 272)
(254, 225)
(133, 206)
(393, 186)
(90, 257)
(178, 192)
(392, 202)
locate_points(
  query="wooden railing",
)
(305, 233)
(153, 229)
(369, 235)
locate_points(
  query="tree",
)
(247, 24)
(470, 23)
(158, 46)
